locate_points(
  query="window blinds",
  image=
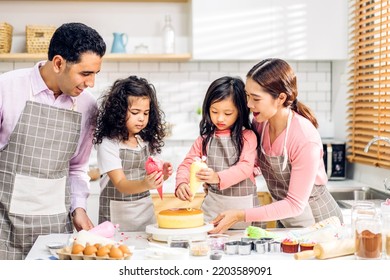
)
(369, 82)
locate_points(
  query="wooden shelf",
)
(110, 57)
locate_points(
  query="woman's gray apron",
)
(34, 183)
(221, 155)
(277, 172)
(131, 212)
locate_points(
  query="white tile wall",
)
(181, 87)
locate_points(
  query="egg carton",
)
(65, 254)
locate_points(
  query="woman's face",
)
(223, 114)
(137, 114)
(261, 103)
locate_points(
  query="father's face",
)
(78, 76)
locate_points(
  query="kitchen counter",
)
(93, 200)
(140, 242)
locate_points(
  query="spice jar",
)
(361, 209)
(368, 238)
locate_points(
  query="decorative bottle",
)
(168, 36)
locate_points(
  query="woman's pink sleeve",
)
(303, 173)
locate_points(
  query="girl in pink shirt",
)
(290, 153)
(229, 145)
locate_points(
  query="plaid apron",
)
(221, 155)
(131, 212)
(277, 172)
(34, 184)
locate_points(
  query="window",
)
(369, 90)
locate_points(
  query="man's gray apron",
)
(221, 155)
(131, 212)
(34, 183)
(277, 172)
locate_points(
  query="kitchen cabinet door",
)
(256, 29)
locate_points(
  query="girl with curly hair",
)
(229, 145)
(129, 129)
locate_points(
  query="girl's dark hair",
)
(276, 76)
(112, 117)
(221, 89)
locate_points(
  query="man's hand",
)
(81, 220)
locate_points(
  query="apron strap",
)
(285, 154)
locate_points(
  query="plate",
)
(54, 246)
(162, 234)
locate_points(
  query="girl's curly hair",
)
(112, 115)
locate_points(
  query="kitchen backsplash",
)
(181, 87)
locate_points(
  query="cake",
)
(290, 246)
(305, 246)
(180, 218)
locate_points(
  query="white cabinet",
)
(256, 29)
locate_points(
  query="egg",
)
(89, 250)
(124, 249)
(103, 251)
(116, 253)
(77, 248)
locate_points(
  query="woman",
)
(290, 153)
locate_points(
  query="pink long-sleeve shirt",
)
(305, 153)
(240, 171)
(15, 89)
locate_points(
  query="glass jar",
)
(385, 212)
(368, 238)
(361, 209)
(199, 247)
(217, 241)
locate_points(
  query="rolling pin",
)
(327, 250)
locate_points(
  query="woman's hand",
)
(226, 219)
(167, 170)
(153, 180)
(208, 175)
(183, 192)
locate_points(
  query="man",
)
(46, 127)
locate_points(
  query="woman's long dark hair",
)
(112, 117)
(276, 76)
(221, 89)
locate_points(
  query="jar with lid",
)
(368, 238)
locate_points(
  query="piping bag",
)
(154, 164)
(105, 229)
(196, 166)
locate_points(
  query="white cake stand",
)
(162, 234)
